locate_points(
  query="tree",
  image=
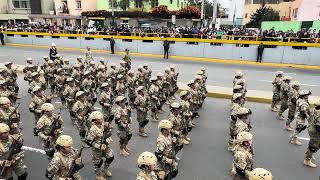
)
(264, 13)
(124, 4)
(208, 8)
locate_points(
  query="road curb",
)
(183, 58)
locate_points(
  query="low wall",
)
(276, 52)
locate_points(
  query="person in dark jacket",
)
(53, 52)
(2, 38)
(112, 42)
(166, 47)
(260, 52)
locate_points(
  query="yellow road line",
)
(224, 61)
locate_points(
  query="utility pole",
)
(214, 12)
(112, 9)
(202, 12)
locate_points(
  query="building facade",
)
(305, 10)
(121, 5)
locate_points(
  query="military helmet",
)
(104, 85)
(119, 99)
(147, 158)
(77, 65)
(203, 69)
(34, 74)
(159, 74)
(86, 73)
(79, 58)
(317, 102)
(296, 84)
(46, 57)
(167, 69)
(47, 107)
(244, 136)
(241, 81)
(183, 93)
(64, 141)
(120, 76)
(4, 100)
(198, 77)
(140, 88)
(200, 72)
(66, 60)
(4, 128)
(260, 174)
(131, 71)
(278, 73)
(7, 63)
(304, 92)
(122, 62)
(190, 82)
(29, 59)
(236, 96)
(59, 70)
(165, 124)
(145, 65)
(153, 78)
(2, 82)
(79, 93)
(175, 105)
(239, 73)
(112, 65)
(243, 111)
(287, 78)
(237, 87)
(58, 55)
(101, 66)
(70, 79)
(36, 89)
(50, 62)
(92, 62)
(96, 115)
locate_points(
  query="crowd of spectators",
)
(304, 35)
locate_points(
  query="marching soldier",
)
(131, 86)
(174, 81)
(92, 67)
(292, 100)
(80, 112)
(314, 133)
(77, 74)
(302, 115)
(101, 75)
(29, 68)
(204, 74)
(185, 107)
(178, 123)
(242, 157)
(5, 92)
(166, 86)
(238, 76)
(194, 100)
(165, 152)
(11, 145)
(88, 55)
(127, 59)
(45, 67)
(67, 71)
(123, 120)
(82, 65)
(260, 174)
(89, 87)
(65, 158)
(36, 81)
(10, 116)
(142, 105)
(51, 70)
(106, 100)
(284, 92)
(12, 81)
(154, 93)
(147, 74)
(147, 163)
(140, 77)
(69, 93)
(49, 128)
(235, 106)
(162, 98)
(122, 69)
(121, 87)
(99, 139)
(276, 91)
(112, 76)
(38, 99)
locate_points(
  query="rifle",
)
(14, 149)
(74, 168)
(106, 134)
(11, 121)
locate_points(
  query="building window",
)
(64, 7)
(78, 4)
(21, 4)
(171, 1)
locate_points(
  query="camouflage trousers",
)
(313, 147)
(99, 158)
(291, 113)
(142, 118)
(18, 167)
(275, 99)
(284, 106)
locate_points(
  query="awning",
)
(13, 16)
(124, 18)
(48, 16)
(96, 18)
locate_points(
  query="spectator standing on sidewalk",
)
(112, 42)
(166, 47)
(260, 52)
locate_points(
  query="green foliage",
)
(264, 13)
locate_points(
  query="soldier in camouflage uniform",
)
(12, 74)
(80, 112)
(63, 159)
(36, 81)
(194, 100)
(89, 87)
(120, 87)
(302, 115)
(178, 124)
(127, 59)
(106, 100)
(147, 163)
(140, 77)
(165, 150)
(186, 114)
(67, 71)
(166, 85)
(238, 76)
(101, 75)
(174, 80)
(3, 75)
(292, 99)
(98, 137)
(284, 96)
(5, 92)
(88, 56)
(92, 67)
(123, 120)
(204, 75)
(238, 89)
(276, 91)
(235, 106)
(38, 99)
(11, 144)
(48, 128)
(314, 133)
(51, 70)
(142, 105)
(28, 69)
(112, 76)
(77, 74)
(122, 69)
(10, 116)
(242, 157)
(82, 65)
(260, 174)
(154, 93)
(131, 86)
(162, 98)
(147, 75)
(44, 67)
(69, 93)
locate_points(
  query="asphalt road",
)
(206, 158)
(258, 78)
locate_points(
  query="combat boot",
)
(309, 163)
(273, 108)
(127, 149)
(107, 172)
(185, 142)
(280, 117)
(295, 141)
(99, 177)
(142, 133)
(288, 127)
(123, 152)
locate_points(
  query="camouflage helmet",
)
(200, 72)
(153, 79)
(96, 115)
(147, 158)
(167, 70)
(64, 141)
(34, 74)
(113, 65)
(203, 69)
(2, 82)
(119, 99)
(70, 79)
(287, 78)
(103, 85)
(4, 128)
(172, 67)
(175, 105)
(243, 111)
(236, 96)
(279, 73)
(317, 102)
(244, 136)
(86, 73)
(4, 100)
(145, 65)
(50, 62)
(92, 62)
(260, 174)
(66, 60)
(140, 88)
(304, 92)
(47, 107)
(165, 124)
(131, 71)
(46, 57)
(159, 74)
(79, 58)
(183, 93)
(77, 65)
(7, 63)
(79, 93)
(198, 77)
(36, 89)
(120, 76)
(191, 82)
(29, 59)
(237, 87)
(101, 67)
(239, 73)
(295, 84)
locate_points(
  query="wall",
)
(309, 10)
(3, 6)
(86, 5)
(282, 53)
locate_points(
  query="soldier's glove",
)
(109, 140)
(78, 161)
(103, 147)
(169, 161)
(7, 163)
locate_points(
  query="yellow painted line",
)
(224, 61)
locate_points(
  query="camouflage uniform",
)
(106, 101)
(89, 86)
(102, 75)
(100, 156)
(147, 75)
(154, 99)
(12, 81)
(112, 77)
(120, 87)
(11, 117)
(292, 99)
(174, 79)
(166, 86)
(159, 83)
(194, 100)
(36, 103)
(51, 76)
(142, 175)
(5, 92)
(276, 91)
(17, 164)
(179, 125)
(69, 93)
(142, 105)
(186, 115)
(242, 163)
(59, 82)
(77, 74)
(140, 78)
(285, 89)
(36, 82)
(122, 69)
(131, 86)
(80, 112)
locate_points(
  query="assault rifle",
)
(74, 168)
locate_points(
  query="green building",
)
(145, 5)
